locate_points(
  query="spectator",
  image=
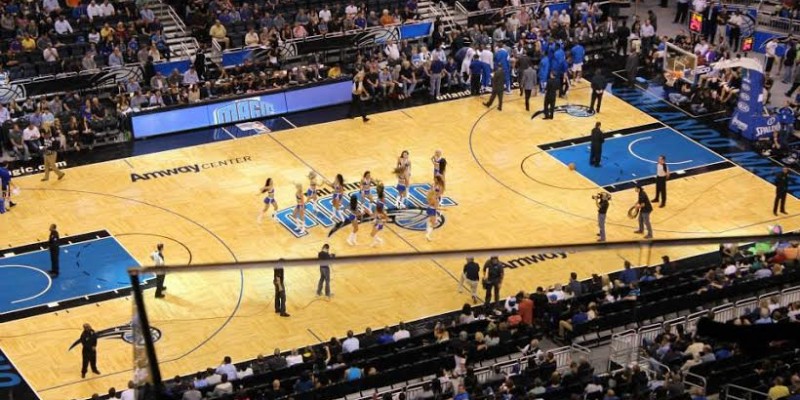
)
(251, 38)
(88, 62)
(778, 390)
(401, 333)
(628, 275)
(294, 358)
(31, 137)
(129, 393)
(227, 368)
(190, 77)
(223, 388)
(350, 344)
(277, 361)
(50, 54)
(62, 26)
(385, 337)
(219, 34)
(115, 58)
(525, 311)
(353, 373)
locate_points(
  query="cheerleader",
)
(403, 172)
(436, 160)
(366, 196)
(402, 187)
(352, 219)
(311, 192)
(269, 189)
(300, 208)
(431, 212)
(438, 188)
(338, 196)
(403, 162)
(380, 218)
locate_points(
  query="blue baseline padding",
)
(86, 268)
(620, 162)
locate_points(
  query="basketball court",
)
(507, 185)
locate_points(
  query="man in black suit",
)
(596, 148)
(54, 244)
(781, 189)
(598, 88)
(498, 86)
(550, 93)
(645, 208)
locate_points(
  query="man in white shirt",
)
(769, 53)
(31, 136)
(94, 10)
(392, 51)
(401, 333)
(158, 260)
(4, 114)
(294, 358)
(699, 6)
(50, 54)
(62, 26)
(350, 344)
(223, 387)
(325, 14)
(51, 6)
(486, 56)
(190, 77)
(128, 394)
(228, 369)
(107, 9)
(351, 10)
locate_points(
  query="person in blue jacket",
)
(544, 72)
(501, 58)
(475, 74)
(559, 68)
(786, 119)
(578, 54)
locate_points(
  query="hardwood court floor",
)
(209, 216)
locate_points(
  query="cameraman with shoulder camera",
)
(602, 200)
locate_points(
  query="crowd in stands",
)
(452, 346)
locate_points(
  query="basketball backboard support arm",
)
(147, 337)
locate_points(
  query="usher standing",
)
(662, 174)
(54, 244)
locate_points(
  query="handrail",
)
(485, 252)
(460, 8)
(701, 383)
(748, 393)
(509, 9)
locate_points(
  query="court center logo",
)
(412, 217)
(124, 333)
(575, 110)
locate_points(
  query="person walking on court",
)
(529, 84)
(357, 94)
(598, 88)
(324, 271)
(492, 279)
(645, 208)
(662, 174)
(53, 243)
(470, 275)
(88, 341)
(280, 291)
(596, 147)
(781, 189)
(158, 260)
(498, 87)
(51, 146)
(602, 210)
(550, 93)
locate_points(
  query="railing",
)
(515, 365)
(735, 392)
(693, 380)
(505, 10)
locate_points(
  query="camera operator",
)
(602, 200)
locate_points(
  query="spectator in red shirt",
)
(525, 308)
